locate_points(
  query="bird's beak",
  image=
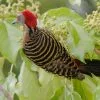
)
(15, 21)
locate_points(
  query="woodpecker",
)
(42, 48)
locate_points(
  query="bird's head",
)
(28, 18)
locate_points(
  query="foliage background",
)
(20, 79)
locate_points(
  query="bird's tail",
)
(91, 67)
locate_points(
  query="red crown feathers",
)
(30, 18)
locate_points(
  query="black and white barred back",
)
(44, 50)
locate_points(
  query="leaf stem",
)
(11, 68)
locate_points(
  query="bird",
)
(43, 49)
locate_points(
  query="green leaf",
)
(58, 94)
(89, 88)
(74, 96)
(29, 82)
(84, 45)
(44, 75)
(66, 13)
(1, 69)
(9, 41)
(97, 93)
(73, 31)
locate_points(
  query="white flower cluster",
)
(92, 22)
(11, 8)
